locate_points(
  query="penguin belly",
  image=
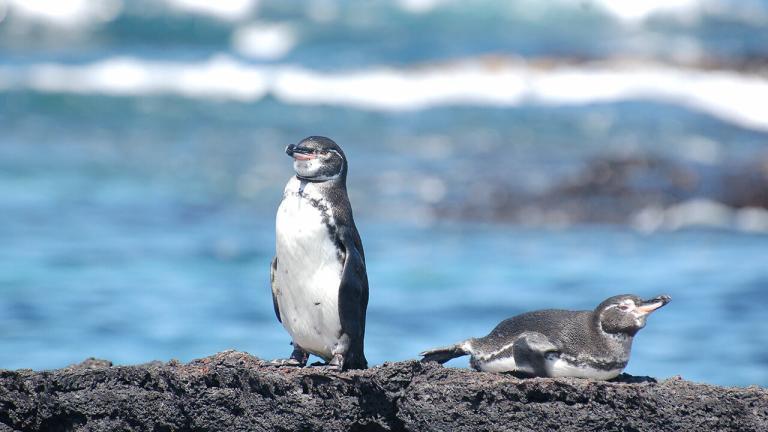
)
(561, 367)
(499, 363)
(308, 276)
(554, 368)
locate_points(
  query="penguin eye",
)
(624, 307)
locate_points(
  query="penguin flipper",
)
(530, 351)
(443, 354)
(353, 298)
(272, 271)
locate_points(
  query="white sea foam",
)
(220, 77)
(684, 11)
(76, 14)
(391, 89)
(222, 9)
(268, 41)
(634, 11)
(753, 219)
(698, 212)
(730, 96)
(630, 12)
(701, 212)
(419, 6)
(64, 13)
(727, 95)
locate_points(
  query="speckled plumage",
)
(319, 281)
(587, 344)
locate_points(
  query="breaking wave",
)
(729, 96)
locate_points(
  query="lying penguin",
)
(559, 343)
(319, 281)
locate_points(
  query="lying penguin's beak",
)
(299, 153)
(651, 305)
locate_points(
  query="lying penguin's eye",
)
(624, 307)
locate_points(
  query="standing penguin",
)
(319, 282)
(559, 343)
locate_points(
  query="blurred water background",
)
(505, 156)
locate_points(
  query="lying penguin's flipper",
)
(353, 298)
(530, 351)
(443, 354)
(272, 271)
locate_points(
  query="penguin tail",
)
(355, 360)
(443, 354)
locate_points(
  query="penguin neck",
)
(307, 184)
(617, 342)
(312, 179)
(340, 177)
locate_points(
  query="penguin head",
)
(626, 314)
(318, 159)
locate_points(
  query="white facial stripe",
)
(616, 306)
(342, 161)
(626, 305)
(636, 313)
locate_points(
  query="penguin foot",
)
(298, 358)
(289, 362)
(336, 363)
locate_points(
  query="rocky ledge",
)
(235, 391)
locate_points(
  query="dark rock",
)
(235, 391)
(613, 190)
(91, 363)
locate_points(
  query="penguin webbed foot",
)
(298, 358)
(336, 363)
(287, 362)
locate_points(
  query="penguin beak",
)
(651, 305)
(299, 153)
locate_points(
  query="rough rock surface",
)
(235, 391)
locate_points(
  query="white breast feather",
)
(308, 272)
(557, 367)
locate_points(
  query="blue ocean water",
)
(137, 204)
